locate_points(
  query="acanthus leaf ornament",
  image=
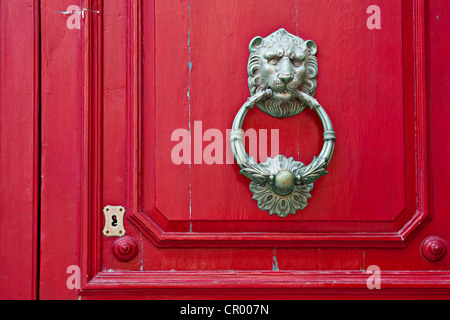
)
(282, 72)
(314, 171)
(255, 172)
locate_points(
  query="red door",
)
(137, 102)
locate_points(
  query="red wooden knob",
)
(434, 248)
(125, 249)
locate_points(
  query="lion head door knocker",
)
(282, 72)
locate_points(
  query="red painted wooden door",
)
(123, 88)
(19, 149)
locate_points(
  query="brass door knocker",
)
(282, 72)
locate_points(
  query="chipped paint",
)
(275, 262)
(364, 261)
(298, 119)
(189, 106)
(80, 11)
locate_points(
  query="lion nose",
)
(286, 77)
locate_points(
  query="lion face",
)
(283, 70)
(285, 64)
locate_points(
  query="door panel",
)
(147, 70)
(227, 213)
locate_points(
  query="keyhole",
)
(114, 219)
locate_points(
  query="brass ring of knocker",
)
(282, 186)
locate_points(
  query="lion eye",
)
(297, 63)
